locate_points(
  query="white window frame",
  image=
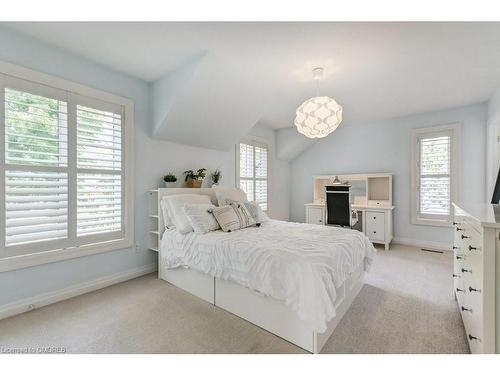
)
(435, 131)
(10, 260)
(261, 142)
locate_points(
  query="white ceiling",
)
(375, 70)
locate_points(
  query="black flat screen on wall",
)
(496, 193)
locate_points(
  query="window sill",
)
(36, 259)
(431, 222)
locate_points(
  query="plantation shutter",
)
(434, 175)
(261, 176)
(253, 172)
(36, 163)
(61, 169)
(99, 170)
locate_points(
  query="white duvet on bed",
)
(300, 264)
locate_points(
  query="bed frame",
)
(264, 311)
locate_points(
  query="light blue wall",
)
(279, 176)
(153, 159)
(384, 146)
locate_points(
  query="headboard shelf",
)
(156, 226)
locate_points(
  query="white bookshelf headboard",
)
(176, 191)
(156, 225)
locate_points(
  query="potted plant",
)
(195, 179)
(216, 176)
(170, 179)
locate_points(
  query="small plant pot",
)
(194, 183)
(168, 184)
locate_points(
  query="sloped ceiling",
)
(290, 143)
(260, 72)
(207, 102)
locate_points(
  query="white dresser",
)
(476, 266)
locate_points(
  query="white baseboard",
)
(422, 244)
(31, 303)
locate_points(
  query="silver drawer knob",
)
(471, 289)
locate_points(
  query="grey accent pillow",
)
(258, 215)
(233, 217)
(200, 217)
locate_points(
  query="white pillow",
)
(176, 209)
(167, 219)
(200, 217)
(225, 195)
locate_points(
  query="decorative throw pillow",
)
(233, 217)
(225, 195)
(200, 217)
(258, 215)
(176, 209)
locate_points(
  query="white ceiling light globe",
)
(317, 117)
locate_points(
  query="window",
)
(64, 182)
(253, 171)
(434, 175)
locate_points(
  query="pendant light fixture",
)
(319, 116)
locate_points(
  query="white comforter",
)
(300, 264)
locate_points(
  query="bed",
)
(294, 280)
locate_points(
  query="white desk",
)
(376, 220)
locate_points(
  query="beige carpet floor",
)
(406, 306)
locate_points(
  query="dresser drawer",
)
(472, 313)
(470, 235)
(473, 244)
(472, 284)
(375, 224)
(459, 290)
(315, 215)
(378, 203)
(458, 231)
(471, 267)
